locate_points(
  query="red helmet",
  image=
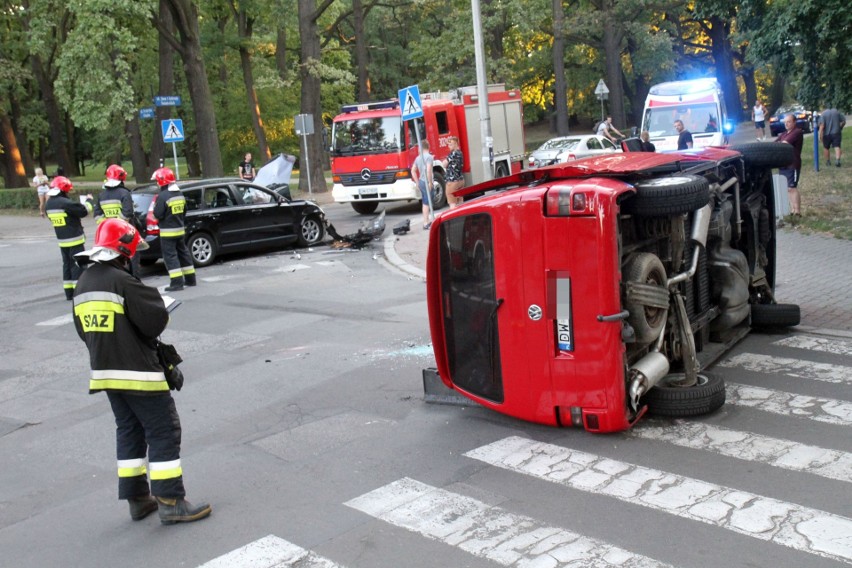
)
(115, 175)
(60, 183)
(164, 176)
(118, 236)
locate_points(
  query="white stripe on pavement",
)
(487, 531)
(292, 268)
(770, 365)
(776, 452)
(270, 552)
(61, 320)
(828, 410)
(824, 344)
(795, 526)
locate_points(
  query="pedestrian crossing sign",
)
(172, 130)
(409, 101)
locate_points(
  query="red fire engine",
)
(372, 149)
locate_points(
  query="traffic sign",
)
(409, 100)
(172, 130)
(601, 89)
(170, 100)
(147, 112)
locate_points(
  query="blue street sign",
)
(172, 130)
(147, 112)
(409, 102)
(171, 100)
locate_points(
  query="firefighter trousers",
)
(70, 269)
(177, 259)
(147, 425)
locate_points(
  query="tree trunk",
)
(560, 84)
(244, 30)
(361, 57)
(747, 73)
(54, 117)
(281, 52)
(14, 174)
(776, 93)
(167, 87)
(612, 54)
(23, 143)
(311, 98)
(137, 152)
(723, 58)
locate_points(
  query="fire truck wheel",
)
(364, 207)
(761, 155)
(665, 196)
(647, 321)
(439, 191)
(674, 401)
(775, 315)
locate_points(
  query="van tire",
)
(762, 155)
(666, 196)
(364, 207)
(439, 190)
(775, 315)
(682, 402)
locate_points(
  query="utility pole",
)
(482, 93)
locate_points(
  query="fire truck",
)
(372, 149)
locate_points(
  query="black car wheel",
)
(670, 398)
(439, 191)
(202, 247)
(760, 155)
(364, 207)
(775, 315)
(664, 196)
(311, 231)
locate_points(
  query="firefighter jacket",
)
(120, 319)
(65, 214)
(114, 202)
(170, 211)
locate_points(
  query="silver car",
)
(567, 148)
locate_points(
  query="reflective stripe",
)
(169, 233)
(124, 375)
(125, 385)
(105, 296)
(190, 270)
(131, 468)
(176, 273)
(165, 470)
(72, 241)
(69, 284)
(97, 306)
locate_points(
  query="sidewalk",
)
(813, 271)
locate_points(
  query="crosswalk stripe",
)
(60, 320)
(828, 410)
(487, 531)
(799, 368)
(776, 452)
(795, 526)
(825, 344)
(270, 552)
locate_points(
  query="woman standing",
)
(42, 185)
(454, 165)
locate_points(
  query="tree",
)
(560, 85)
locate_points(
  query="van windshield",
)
(698, 117)
(380, 135)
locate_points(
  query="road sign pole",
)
(307, 163)
(177, 171)
(426, 179)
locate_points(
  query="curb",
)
(397, 262)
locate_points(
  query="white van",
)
(698, 103)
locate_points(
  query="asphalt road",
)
(304, 426)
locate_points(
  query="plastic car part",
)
(775, 315)
(665, 196)
(670, 398)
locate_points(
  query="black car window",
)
(218, 197)
(193, 199)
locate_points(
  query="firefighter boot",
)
(180, 510)
(69, 293)
(189, 279)
(175, 285)
(141, 507)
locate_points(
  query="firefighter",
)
(115, 202)
(170, 210)
(65, 216)
(120, 318)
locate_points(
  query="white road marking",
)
(291, 268)
(776, 452)
(828, 410)
(770, 365)
(487, 531)
(270, 552)
(824, 344)
(61, 320)
(795, 526)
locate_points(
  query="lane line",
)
(487, 531)
(788, 524)
(799, 368)
(824, 344)
(61, 320)
(828, 410)
(270, 552)
(785, 454)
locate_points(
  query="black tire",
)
(667, 399)
(647, 321)
(311, 231)
(439, 191)
(762, 155)
(664, 196)
(202, 248)
(775, 315)
(364, 207)
(502, 170)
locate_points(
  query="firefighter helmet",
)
(115, 175)
(114, 238)
(60, 184)
(164, 176)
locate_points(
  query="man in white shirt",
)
(758, 115)
(605, 129)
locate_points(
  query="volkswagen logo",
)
(534, 312)
(365, 174)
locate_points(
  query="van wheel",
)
(670, 398)
(439, 191)
(502, 170)
(775, 315)
(665, 196)
(646, 316)
(761, 155)
(364, 207)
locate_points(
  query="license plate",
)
(367, 190)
